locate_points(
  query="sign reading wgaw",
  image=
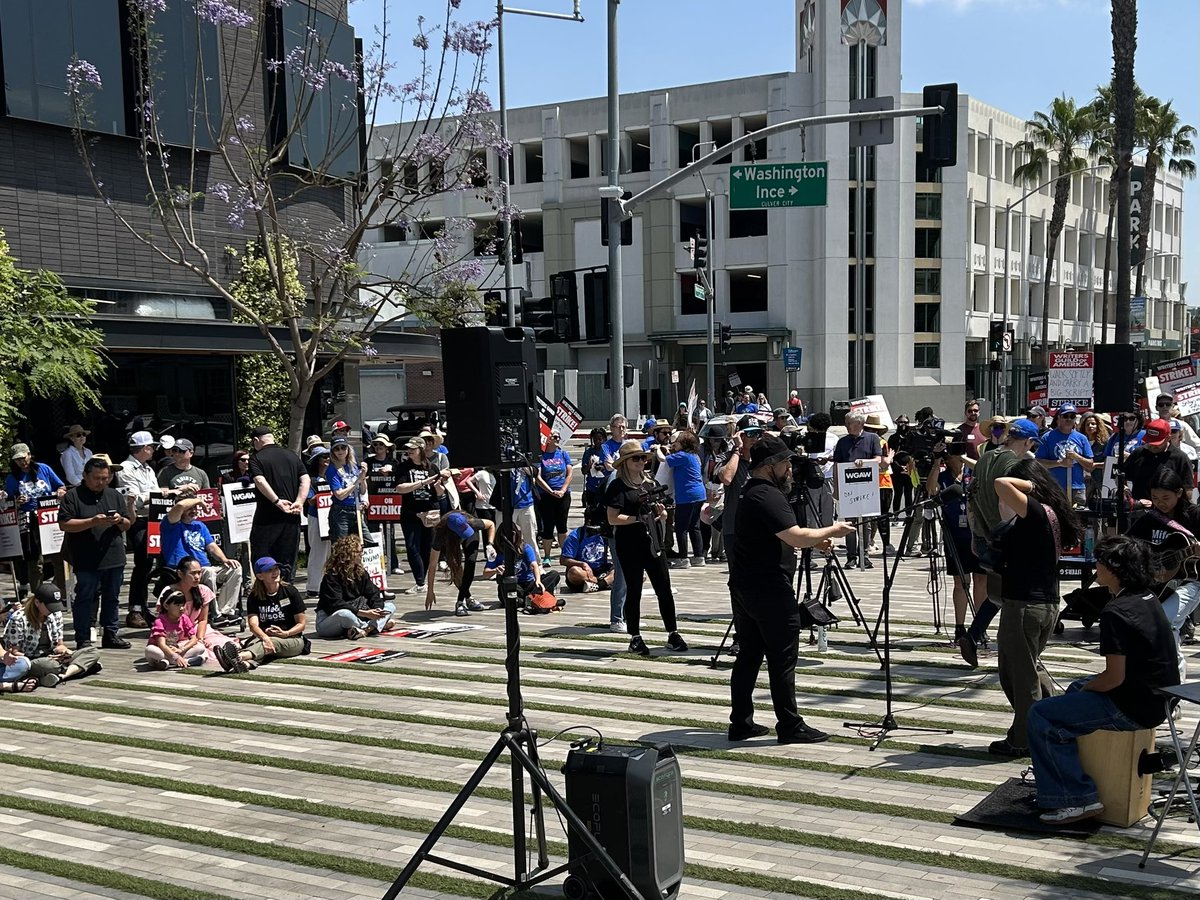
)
(764, 185)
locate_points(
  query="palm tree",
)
(1060, 132)
(1169, 142)
(1124, 44)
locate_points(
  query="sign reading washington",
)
(764, 185)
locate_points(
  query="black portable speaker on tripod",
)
(631, 799)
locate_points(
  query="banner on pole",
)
(1176, 373)
(383, 501)
(1070, 379)
(545, 411)
(858, 489)
(873, 404)
(240, 505)
(692, 400)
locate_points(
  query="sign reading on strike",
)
(158, 507)
(1175, 373)
(858, 489)
(324, 500)
(1037, 388)
(48, 531)
(1188, 399)
(10, 531)
(567, 417)
(872, 404)
(1070, 379)
(383, 507)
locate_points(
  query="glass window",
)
(688, 304)
(747, 223)
(748, 291)
(322, 128)
(869, 300)
(39, 39)
(691, 219)
(928, 243)
(929, 206)
(870, 220)
(927, 355)
(187, 77)
(927, 317)
(926, 173)
(927, 281)
(857, 390)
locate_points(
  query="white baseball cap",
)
(142, 439)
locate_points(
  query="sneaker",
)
(226, 655)
(1003, 748)
(94, 669)
(443, 566)
(638, 646)
(194, 661)
(160, 664)
(135, 620)
(240, 666)
(679, 562)
(474, 605)
(889, 549)
(547, 561)
(415, 589)
(968, 651)
(805, 734)
(1069, 814)
(396, 570)
(618, 627)
(868, 564)
(851, 564)
(698, 562)
(590, 587)
(461, 610)
(744, 734)
(356, 634)
(735, 648)
(676, 642)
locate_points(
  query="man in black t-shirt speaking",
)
(766, 613)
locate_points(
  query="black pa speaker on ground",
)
(1113, 378)
(838, 410)
(489, 376)
(631, 799)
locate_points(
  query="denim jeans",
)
(336, 624)
(1053, 727)
(341, 522)
(616, 597)
(1180, 604)
(106, 584)
(687, 525)
(18, 670)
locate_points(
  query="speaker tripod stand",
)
(521, 744)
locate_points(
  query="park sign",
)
(765, 185)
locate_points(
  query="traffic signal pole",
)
(710, 302)
(616, 301)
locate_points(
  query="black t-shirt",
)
(101, 546)
(764, 566)
(280, 609)
(1142, 463)
(1151, 527)
(283, 470)
(1029, 568)
(422, 499)
(1135, 626)
(374, 465)
(626, 500)
(442, 532)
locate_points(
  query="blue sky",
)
(1014, 54)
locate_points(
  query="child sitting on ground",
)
(173, 639)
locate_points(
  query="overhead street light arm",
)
(628, 207)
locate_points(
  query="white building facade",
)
(934, 238)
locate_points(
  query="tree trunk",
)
(1062, 193)
(296, 412)
(1112, 198)
(1147, 211)
(1124, 42)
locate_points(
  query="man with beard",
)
(766, 613)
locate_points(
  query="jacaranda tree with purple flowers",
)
(267, 126)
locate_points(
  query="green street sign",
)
(699, 290)
(764, 185)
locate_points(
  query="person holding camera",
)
(946, 483)
(632, 514)
(766, 610)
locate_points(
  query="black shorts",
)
(966, 563)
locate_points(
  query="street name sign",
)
(765, 185)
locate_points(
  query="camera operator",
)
(860, 448)
(945, 482)
(820, 444)
(733, 471)
(902, 485)
(983, 515)
(766, 611)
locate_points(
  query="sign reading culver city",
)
(765, 185)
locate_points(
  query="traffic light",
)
(565, 306)
(700, 257)
(597, 324)
(726, 332)
(538, 315)
(995, 338)
(514, 235)
(626, 224)
(941, 131)
(495, 308)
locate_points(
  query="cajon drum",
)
(1111, 759)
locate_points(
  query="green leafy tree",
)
(1060, 132)
(49, 349)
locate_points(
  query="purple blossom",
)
(219, 12)
(150, 7)
(429, 147)
(81, 72)
(470, 37)
(421, 41)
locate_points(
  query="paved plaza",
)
(317, 779)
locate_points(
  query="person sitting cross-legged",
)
(585, 555)
(350, 604)
(35, 629)
(1138, 644)
(277, 619)
(173, 638)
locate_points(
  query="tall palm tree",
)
(1166, 141)
(1062, 131)
(1124, 44)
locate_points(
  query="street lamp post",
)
(616, 300)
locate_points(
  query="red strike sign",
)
(383, 507)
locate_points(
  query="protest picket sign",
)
(1187, 399)
(1038, 388)
(692, 400)
(323, 498)
(49, 533)
(873, 404)
(210, 510)
(372, 557)
(858, 489)
(545, 411)
(1176, 373)
(567, 417)
(1108, 483)
(10, 531)
(1069, 379)
(383, 500)
(240, 505)
(158, 507)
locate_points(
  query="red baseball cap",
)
(1157, 432)
(339, 425)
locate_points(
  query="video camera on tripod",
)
(806, 471)
(923, 441)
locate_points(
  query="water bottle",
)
(822, 640)
(1089, 541)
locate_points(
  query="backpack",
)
(539, 602)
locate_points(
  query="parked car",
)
(214, 443)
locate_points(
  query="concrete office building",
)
(933, 238)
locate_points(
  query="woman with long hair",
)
(318, 547)
(29, 481)
(199, 601)
(36, 629)
(457, 537)
(553, 483)
(1097, 433)
(690, 494)
(1172, 513)
(348, 484)
(350, 604)
(1037, 521)
(626, 503)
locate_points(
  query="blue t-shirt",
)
(554, 468)
(524, 566)
(594, 472)
(522, 490)
(1132, 442)
(590, 548)
(1054, 445)
(649, 442)
(184, 539)
(689, 486)
(610, 448)
(39, 481)
(339, 479)
(746, 408)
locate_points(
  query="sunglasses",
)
(1067, 415)
(175, 450)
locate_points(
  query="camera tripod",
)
(521, 743)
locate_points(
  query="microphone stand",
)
(888, 723)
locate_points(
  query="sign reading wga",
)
(765, 185)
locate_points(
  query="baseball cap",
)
(458, 523)
(142, 439)
(749, 423)
(261, 431)
(1176, 426)
(167, 442)
(264, 564)
(779, 411)
(1067, 409)
(339, 442)
(19, 451)
(184, 444)
(1023, 428)
(317, 450)
(1038, 411)
(339, 425)
(768, 451)
(414, 444)
(50, 595)
(1157, 432)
